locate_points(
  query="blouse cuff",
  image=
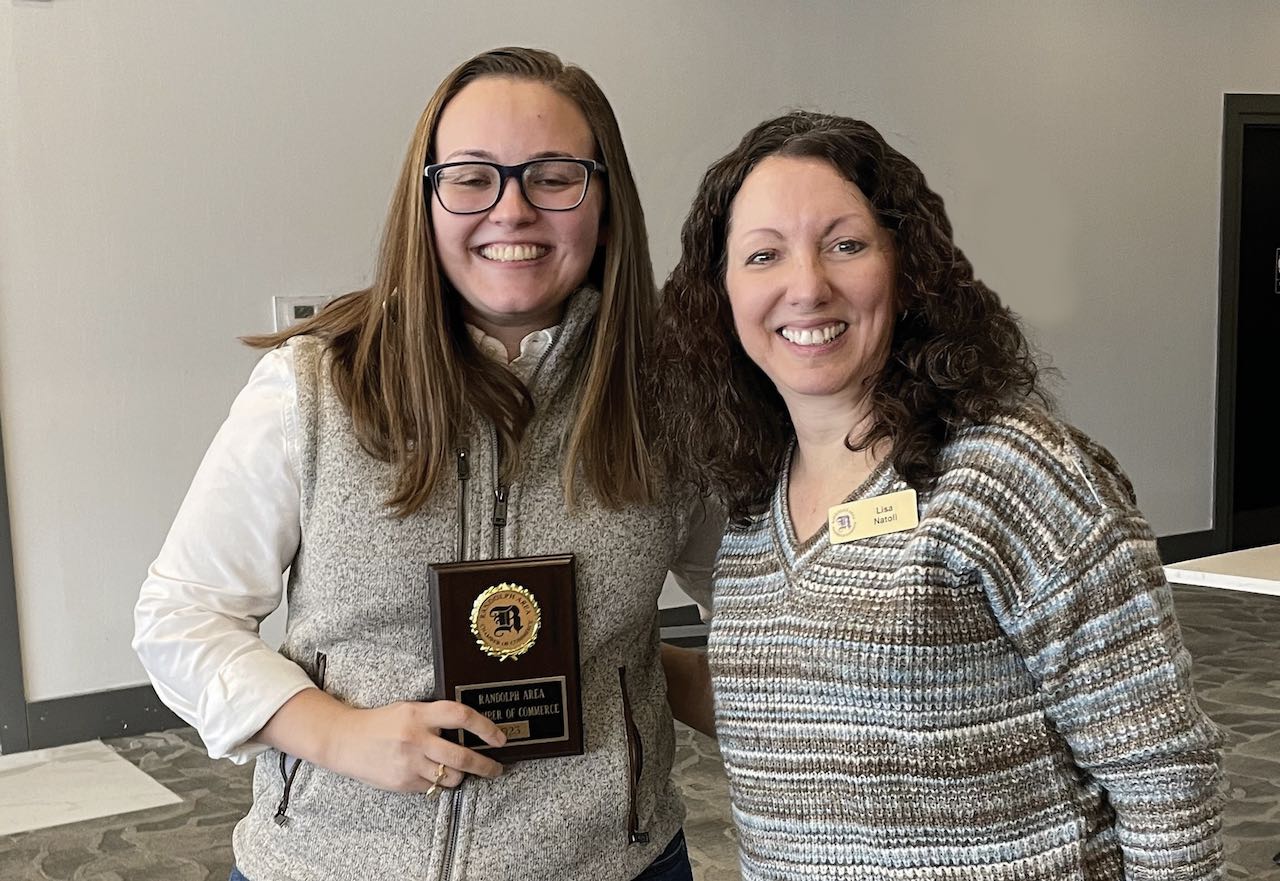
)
(242, 698)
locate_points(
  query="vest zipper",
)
(499, 524)
(289, 774)
(464, 474)
(499, 520)
(455, 806)
(500, 495)
(451, 843)
(635, 764)
(546, 353)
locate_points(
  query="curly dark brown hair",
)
(958, 356)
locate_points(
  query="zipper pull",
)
(464, 475)
(500, 507)
(288, 774)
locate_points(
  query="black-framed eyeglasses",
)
(550, 184)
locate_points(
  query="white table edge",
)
(1196, 578)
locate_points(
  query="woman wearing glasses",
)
(479, 400)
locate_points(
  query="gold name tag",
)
(867, 518)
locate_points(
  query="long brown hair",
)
(957, 355)
(409, 373)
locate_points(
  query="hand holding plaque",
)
(506, 644)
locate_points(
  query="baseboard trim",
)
(97, 715)
(1189, 546)
(13, 700)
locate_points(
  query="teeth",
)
(814, 336)
(509, 253)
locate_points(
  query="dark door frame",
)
(13, 699)
(1238, 112)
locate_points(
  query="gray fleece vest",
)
(358, 597)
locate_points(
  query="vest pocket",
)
(288, 774)
(635, 764)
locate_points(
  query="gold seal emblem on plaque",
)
(505, 620)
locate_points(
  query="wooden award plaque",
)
(505, 634)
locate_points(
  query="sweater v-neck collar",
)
(795, 553)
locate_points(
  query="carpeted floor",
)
(1234, 638)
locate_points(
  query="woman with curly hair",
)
(942, 645)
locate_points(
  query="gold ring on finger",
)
(435, 784)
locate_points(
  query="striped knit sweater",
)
(1001, 693)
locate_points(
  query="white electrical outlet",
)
(292, 310)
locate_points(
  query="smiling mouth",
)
(813, 336)
(512, 253)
